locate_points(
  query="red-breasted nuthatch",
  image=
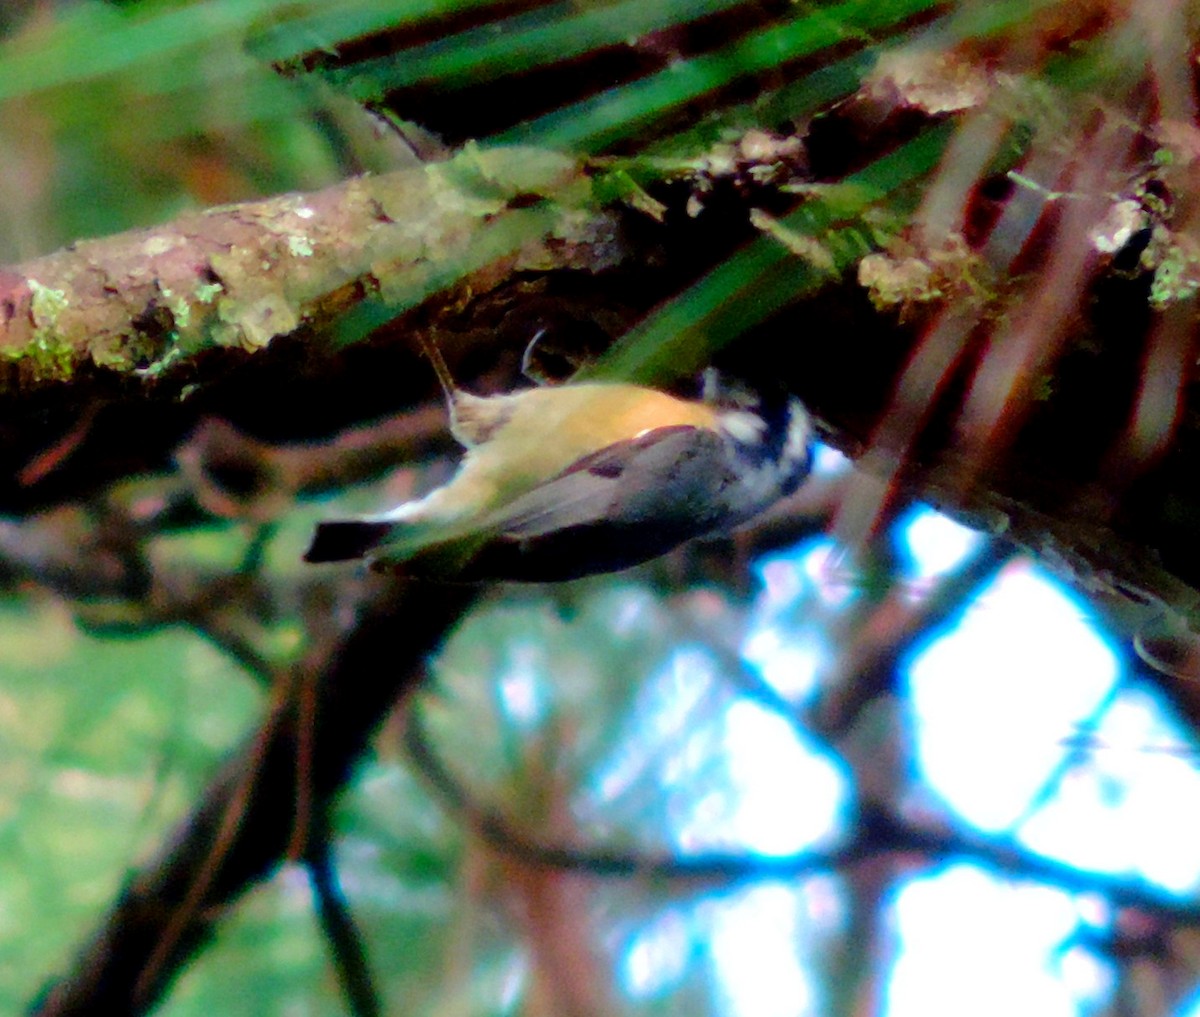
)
(572, 480)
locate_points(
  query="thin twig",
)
(346, 945)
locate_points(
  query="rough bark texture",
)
(144, 303)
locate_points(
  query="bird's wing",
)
(664, 473)
(626, 503)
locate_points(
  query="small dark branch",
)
(51, 457)
(396, 623)
(303, 702)
(1052, 783)
(96, 559)
(252, 559)
(346, 945)
(185, 914)
(65, 551)
(234, 476)
(879, 831)
(867, 667)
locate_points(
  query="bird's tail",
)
(428, 550)
(344, 539)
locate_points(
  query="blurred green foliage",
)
(113, 117)
(104, 746)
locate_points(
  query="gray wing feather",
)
(670, 474)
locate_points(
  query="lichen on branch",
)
(144, 303)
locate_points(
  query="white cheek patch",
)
(798, 434)
(746, 428)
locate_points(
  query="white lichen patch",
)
(756, 155)
(1114, 231)
(802, 245)
(914, 273)
(932, 81)
(891, 281)
(265, 318)
(46, 303)
(299, 246)
(161, 243)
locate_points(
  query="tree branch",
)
(397, 624)
(346, 945)
(146, 304)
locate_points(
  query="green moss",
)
(619, 186)
(47, 358)
(46, 355)
(181, 310)
(1175, 278)
(206, 293)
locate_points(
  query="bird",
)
(577, 479)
